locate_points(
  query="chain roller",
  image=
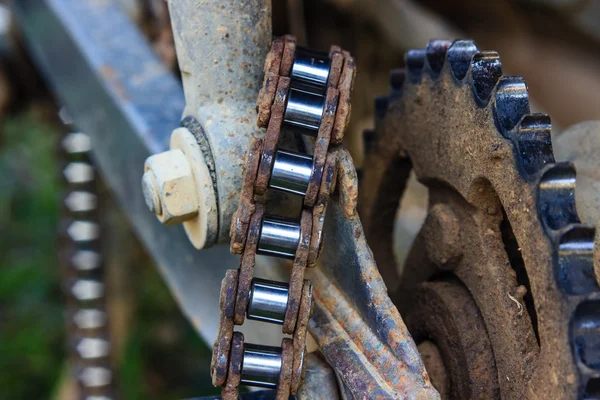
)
(304, 92)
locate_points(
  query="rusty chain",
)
(283, 85)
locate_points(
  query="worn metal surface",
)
(320, 383)
(221, 47)
(355, 324)
(522, 253)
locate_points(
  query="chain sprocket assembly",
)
(498, 289)
(304, 93)
(82, 269)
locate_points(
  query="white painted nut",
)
(169, 187)
(178, 187)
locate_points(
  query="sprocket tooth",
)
(381, 106)
(576, 260)
(556, 199)
(459, 57)
(511, 103)
(585, 338)
(415, 60)
(534, 143)
(397, 77)
(486, 69)
(436, 55)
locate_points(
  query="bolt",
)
(151, 193)
(170, 188)
(442, 236)
(178, 188)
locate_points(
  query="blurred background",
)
(553, 44)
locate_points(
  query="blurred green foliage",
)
(31, 318)
(163, 358)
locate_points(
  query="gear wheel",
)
(500, 279)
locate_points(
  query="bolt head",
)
(170, 188)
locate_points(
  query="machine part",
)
(279, 237)
(261, 366)
(291, 172)
(119, 112)
(267, 301)
(82, 269)
(320, 382)
(178, 188)
(303, 111)
(225, 111)
(310, 71)
(253, 232)
(522, 253)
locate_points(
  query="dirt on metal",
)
(299, 339)
(234, 373)
(220, 358)
(297, 275)
(246, 207)
(247, 263)
(467, 133)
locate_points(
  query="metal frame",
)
(117, 91)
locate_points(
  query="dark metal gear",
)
(502, 263)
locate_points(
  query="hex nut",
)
(170, 188)
(151, 193)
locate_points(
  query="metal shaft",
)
(310, 71)
(291, 172)
(261, 366)
(304, 111)
(279, 237)
(267, 301)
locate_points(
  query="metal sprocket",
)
(501, 220)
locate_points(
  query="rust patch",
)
(246, 207)
(289, 53)
(335, 70)
(320, 209)
(285, 376)
(272, 136)
(297, 276)
(267, 91)
(234, 377)
(344, 109)
(220, 357)
(348, 183)
(247, 265)
(299, 339)
(321, 147)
